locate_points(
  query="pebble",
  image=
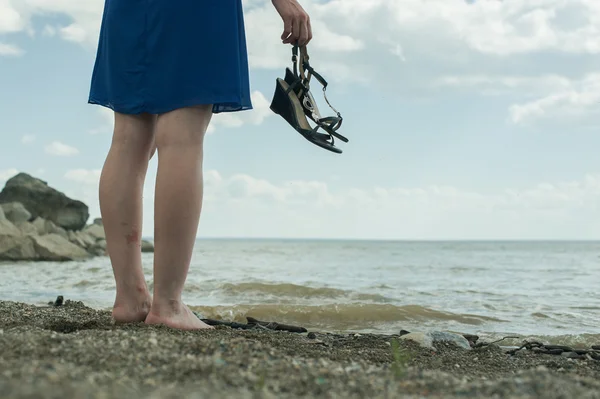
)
(311, 335)
(424, 340)
(459, 340)
(427, 340)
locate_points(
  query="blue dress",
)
(155, 56)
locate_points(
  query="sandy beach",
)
(75, 351)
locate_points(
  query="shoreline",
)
(73, 351)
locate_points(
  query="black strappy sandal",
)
(294, 102)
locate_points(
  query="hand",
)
(296, 22)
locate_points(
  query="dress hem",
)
(221, 106)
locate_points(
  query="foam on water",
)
(544, 288)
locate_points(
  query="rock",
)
(98, 249)
(51, 228)
(428, 340)
(96, 231)
(44, 227)
(40, 225)
(53, 247)
(422, 339)
(458, 340)
(81, 238)
(98, 221)
(17, 248)
(27, 228)
(14, 245)
(8, 229)
(571, 355)
(147, 246)
(44, 201)
(15, 212)
(2, 215)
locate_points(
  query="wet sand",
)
(75, 351)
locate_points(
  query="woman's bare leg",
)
(121, 187)
(178, 202)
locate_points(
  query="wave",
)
(355, 316)
(298, 291)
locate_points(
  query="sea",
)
(528, 289)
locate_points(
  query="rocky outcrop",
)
(43, 201)
(27, 235)
(54, 247)
(16, 212)
(147, 246)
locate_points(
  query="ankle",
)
(133, 292)
(161, 305)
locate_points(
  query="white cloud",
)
(84, 176)
(59, 149)
(6, 174)
(27, 139)
(502, 84)
(108, 121)
(572, 100)
(74, 33)
(547, 210)
(10, 19)
(240, 205)
(486, 26)
(10, 50)
(256, 116)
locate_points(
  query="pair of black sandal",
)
(295, 103)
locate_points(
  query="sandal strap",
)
(304, 66)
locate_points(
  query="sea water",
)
(494, 288)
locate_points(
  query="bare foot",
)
(175, 315)
(131, 311)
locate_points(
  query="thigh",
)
(183, 126)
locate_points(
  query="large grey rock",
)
(147, 246)
(27, 228)
(14, 245)
(82, 239)
(52, 228)
(98, 249)
(44, 201)
(40, 225)
(53, 247)
(44, 227)
(17, 248)
(15, 212)
(96, 231)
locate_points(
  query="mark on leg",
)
(134, 237)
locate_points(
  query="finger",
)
(287, 29)
(295, 30)
(303, 38)
(310, 34)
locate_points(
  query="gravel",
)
(76, 351)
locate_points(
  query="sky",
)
(466, 120)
